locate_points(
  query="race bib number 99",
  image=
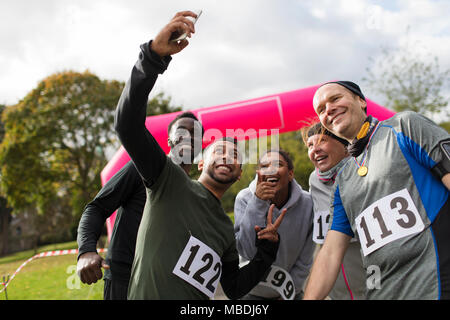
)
(390, 218)
(200, 266)
(281, 281)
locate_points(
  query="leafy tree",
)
(160, 104)
(5, 212)
(2, 127)
(409, 80)
(445, 125)
(54, 147)
(55, 141)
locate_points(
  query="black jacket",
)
(150, 159)
(125, 193)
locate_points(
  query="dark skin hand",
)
(270, 231)
(265, 190)
(89, 267)
(162, 44)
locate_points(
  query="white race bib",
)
(392, 217)
(200, 266)
(281, 281)
(321, 223)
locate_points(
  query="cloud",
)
(241, 50)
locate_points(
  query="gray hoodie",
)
(295, 253)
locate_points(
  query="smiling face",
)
(223, 162)
(339, 110)
(325, 152)
(185, 139)
(273, 167)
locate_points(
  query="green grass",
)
(231, 215)
(47, 278)
(24, 255)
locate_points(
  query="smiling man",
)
(393, 194)
(185, 139)
(275, 185)
(185, 243)
(125, 193)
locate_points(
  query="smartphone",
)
(445, 146)
(177, 36)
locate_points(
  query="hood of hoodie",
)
(296, 191)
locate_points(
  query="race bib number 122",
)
(200, 266)
(390, 218)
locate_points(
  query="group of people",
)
(379, 196)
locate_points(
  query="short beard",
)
(230, 180)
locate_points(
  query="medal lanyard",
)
(362, 169)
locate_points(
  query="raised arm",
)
(130, 116)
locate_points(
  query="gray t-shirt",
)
(398, 211)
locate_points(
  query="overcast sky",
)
(241, 50)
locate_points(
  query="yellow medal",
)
(362, 171)
(363, 131)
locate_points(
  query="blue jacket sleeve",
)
(339, 217)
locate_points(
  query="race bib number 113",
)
(390, 218)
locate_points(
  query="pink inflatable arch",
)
(287, 111)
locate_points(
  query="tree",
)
(5, 212)
(55, 143)
(445, 125)
(55, 140)
(409, 80)
(160, 104)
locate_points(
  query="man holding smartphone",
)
(185, 242)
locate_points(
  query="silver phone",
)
(176, 36)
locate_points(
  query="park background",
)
(64, 63)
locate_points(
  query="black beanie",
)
(319, 129)
(353, 87)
